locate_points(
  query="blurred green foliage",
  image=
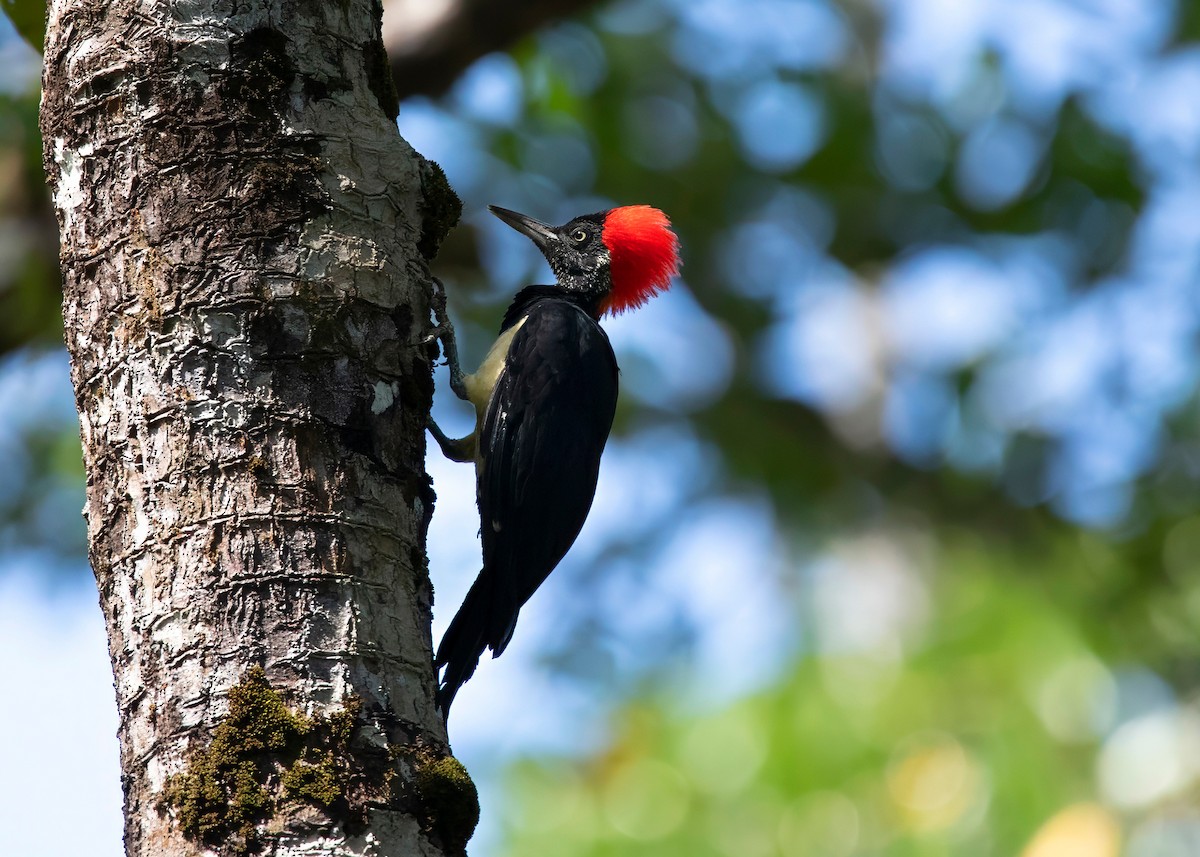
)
(965, 745)
(30, 295)
(29, 18)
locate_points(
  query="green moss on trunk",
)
(448, 800)
(440, 206)
(264, 758)
(261, 754)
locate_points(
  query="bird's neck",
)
(589, 302)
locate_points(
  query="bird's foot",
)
(460, 449)
(443, 332)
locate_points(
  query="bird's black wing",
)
(540, 444)
(545, 428)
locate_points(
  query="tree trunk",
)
(244, 239)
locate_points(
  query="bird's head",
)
(622, 257)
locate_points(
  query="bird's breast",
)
(483, 381)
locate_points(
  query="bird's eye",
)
(579, 236)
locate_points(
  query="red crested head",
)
(643, 252)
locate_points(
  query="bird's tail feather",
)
(464, 642)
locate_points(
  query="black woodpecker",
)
(544, 401)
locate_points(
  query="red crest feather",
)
(644, 253)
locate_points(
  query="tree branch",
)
(431, 42)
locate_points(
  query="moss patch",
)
(261, 754)
(265, 760)
(343, 724)
(441, 208)
(447, 799)
(318, 782)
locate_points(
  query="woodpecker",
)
(544, 398)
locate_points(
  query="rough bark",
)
(243, 243)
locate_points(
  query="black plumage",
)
(544, 400)
(538, 459)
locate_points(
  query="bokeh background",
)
(897, 544)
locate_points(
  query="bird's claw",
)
(435, 334)
(443, 332)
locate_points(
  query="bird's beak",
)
(536, 231)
